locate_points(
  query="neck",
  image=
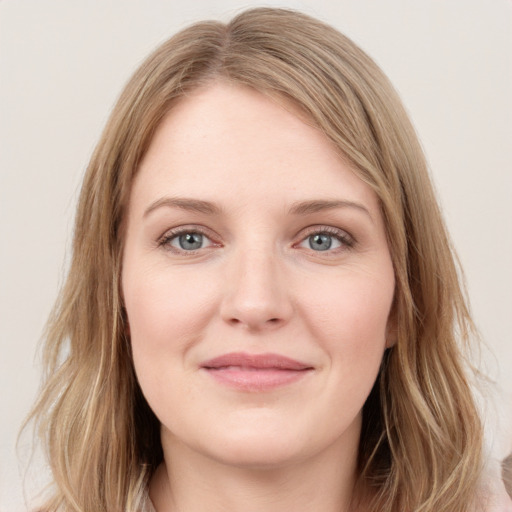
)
(190, 482)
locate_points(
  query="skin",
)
(257, 284)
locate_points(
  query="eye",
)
(185, 240)
(322, 242)
(188, 241)
(325, 239)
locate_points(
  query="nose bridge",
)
(256, 294)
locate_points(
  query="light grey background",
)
(63, 63)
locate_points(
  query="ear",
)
(392, 328)
(126, 323)
(391, 337)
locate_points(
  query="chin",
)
(259, 452)
(266, 444)
(254, 442)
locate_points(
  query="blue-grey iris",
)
(320, 242)
(190, 241)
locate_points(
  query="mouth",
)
(255, 372)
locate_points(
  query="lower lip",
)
(256, 379)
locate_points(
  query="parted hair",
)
(421, 439)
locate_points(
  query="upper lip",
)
(255, 361)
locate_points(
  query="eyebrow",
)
(318, 205)
(297, 208)
(184, 203)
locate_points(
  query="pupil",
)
(320, 242)
(191, 241)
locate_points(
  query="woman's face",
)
(257, 282)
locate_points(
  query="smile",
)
(255, 372)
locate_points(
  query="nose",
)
(257, 295)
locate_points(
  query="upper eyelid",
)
(331, 230)
(187, 228)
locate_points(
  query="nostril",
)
(271, 321)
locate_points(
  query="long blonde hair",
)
(421, 439)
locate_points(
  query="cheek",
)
(167, 314)
(167, 311)
(348, 315)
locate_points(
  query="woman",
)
(262, 302)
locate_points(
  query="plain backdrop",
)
(63, 63)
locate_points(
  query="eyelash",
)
(347, 241)
(165, 240)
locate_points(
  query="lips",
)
(255, 372)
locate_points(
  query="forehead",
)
(229, 141)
